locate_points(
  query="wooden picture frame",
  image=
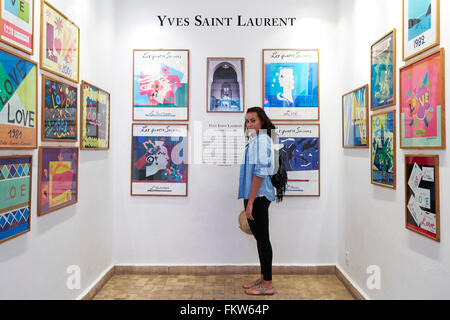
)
(383, 159)
(56, 53)
(422, 203)
(422, 103)
(164, 175)
(15, 207)
(228, 84)
(158, 92)
(18, 18)
(96, 140)
(383, 72)
(57, 161)
(421, 26)
(355, 118)
(19, 131)
(301, 157)
(64, 117)
(299, 72)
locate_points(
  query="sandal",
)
(252, 284)
(260, 291)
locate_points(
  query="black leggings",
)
(260, 229)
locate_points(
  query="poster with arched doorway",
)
(225, 89)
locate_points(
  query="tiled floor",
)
(220, 287)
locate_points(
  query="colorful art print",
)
(383, 72)
(225, 85)
(60, 44)
(58, 178)
(355, 119)
(421, 26)
(299, 146)
(17, 24)
(59, 110)
(291, 84)
(422, 195)
(383, 155)
(95, 116)
(159, 160)
(422, 103)
(161, 85)
(15, 191)
(18, 102)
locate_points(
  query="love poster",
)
(422, 103)
(17, 24)
(95, 107)
(60, 39)
(15, 193)
(18, 102)
(59, 110)
(58, 178)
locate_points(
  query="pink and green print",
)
(17, 24)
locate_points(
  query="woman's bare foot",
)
(253, 283)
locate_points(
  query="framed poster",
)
(161, 85)
(60, 44)
(355, 118)
(225, 90)
(18, 102)
(422, 103)
(422, 195)
(291, 84)
(59, 110)
(159, 165)
(17, 24)
(15, 190)
(421, 26)
(383, 155)
(95, 115)
(300, 148)
(58, 178)
(383, 72)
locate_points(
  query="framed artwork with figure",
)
(291, 84)
(355, 118)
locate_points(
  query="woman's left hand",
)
(249, 210)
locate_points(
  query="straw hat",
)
(243, 223)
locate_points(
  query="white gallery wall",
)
(35, 265)
(372, 219)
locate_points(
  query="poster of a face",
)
(58, 178)
(383, 72)
(300, 150)
(160, 84)
(17, 24)
(421, 26)
(59, 110)
(291, 84)
(383, 156)
(355, 118)
(15, 190)
(159, 160)
(18, 102)
(95, 106)
(225, 91)
(422, 195)
(422, 107)
(60, 40)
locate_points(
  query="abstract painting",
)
(355, 119)
(225, 85)
(291, 84)
(17, 24)
(383, 155)
(422, 195)
(422, 98)
(299, 146)
(160, 84)
(159, 160)
(58, 178)
(59, 110)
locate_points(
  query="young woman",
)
(256, 188)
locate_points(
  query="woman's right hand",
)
(248, 211)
